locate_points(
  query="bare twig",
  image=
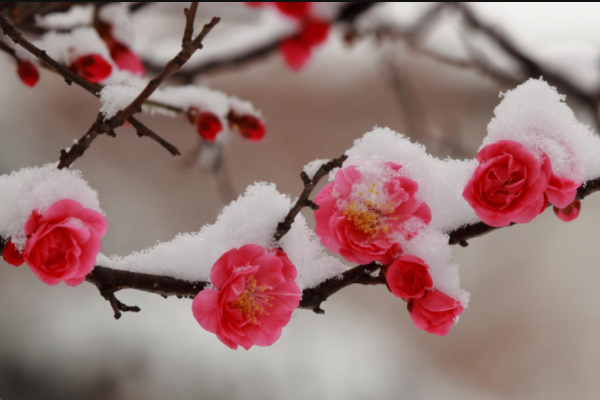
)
(303, 201)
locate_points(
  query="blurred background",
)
(531, 329)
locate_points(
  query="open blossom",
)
(435, 312)
(568, 213)
(28, 73)
(63, 243)
(254, 297)
(12, 255)
(511, 185)
(408, 277)
(249, 126)
(358, 218)
(92, 67)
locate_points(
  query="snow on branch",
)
(534, 112)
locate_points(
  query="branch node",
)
(309, 203)
(307, 181)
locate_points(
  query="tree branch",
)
(107, 127)
(303, 201)
(114, 280)
(189, 47)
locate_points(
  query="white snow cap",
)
(536, 115)
(37, 188)
(252, 219)
(117, 15)
(441, 182)
(313, 167)
(123, 88)
(66, 47)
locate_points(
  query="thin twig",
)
(303, 201)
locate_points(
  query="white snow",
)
(535, 115)
(312, 167)
(441, 182)
(115, 98)
(66, 47)
(252, 219)
(37, 188)
(117, 15)
(432, 246)
(124, 88)
(75, 16)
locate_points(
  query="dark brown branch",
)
(8, 50)
(9, 30)
(111, 281)
(461, 235)
(189, 47)
(303, 200)
(312, 298)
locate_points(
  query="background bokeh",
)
(530, 331)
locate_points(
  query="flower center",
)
(370, 216)
(253, 301)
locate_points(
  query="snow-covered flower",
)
(63, 243)
(359, 218)
(511, 185)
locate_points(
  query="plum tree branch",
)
(101, 126)
(110, 281)
(189, 47)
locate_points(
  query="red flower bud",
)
(92, 67)
(570, 212)
(250, 127)
(314, 32)
(208, 126)
(11, 255)
(127, 60)
(28, 73)
(295, 52)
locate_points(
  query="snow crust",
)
(116, 96)
(536, 115)
(251, 219)
(66, 47)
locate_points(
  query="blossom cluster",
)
(390, 205)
